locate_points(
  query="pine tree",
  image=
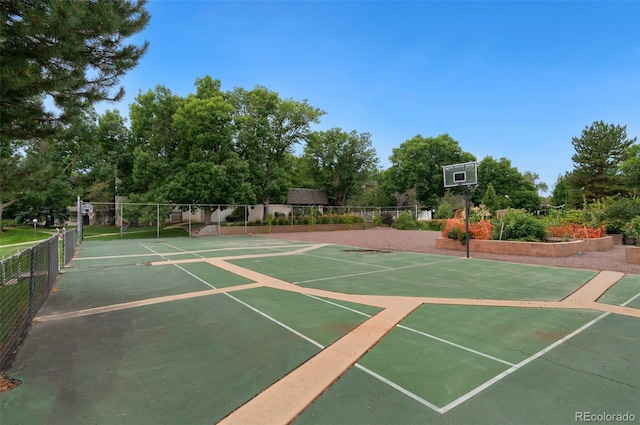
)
(71, 53)
(600, 150)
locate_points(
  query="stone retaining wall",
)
(633, 254)
(617, 238)
(533, 249)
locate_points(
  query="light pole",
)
(35, 223)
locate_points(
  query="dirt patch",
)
(7, 384)
(550, 336)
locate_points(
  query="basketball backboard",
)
(465, 174)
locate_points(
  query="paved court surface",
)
(268, 332)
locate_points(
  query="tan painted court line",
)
(282, 402)
(141, 303)
(594, 289)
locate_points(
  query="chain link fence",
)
(69, 239)
(26, 278)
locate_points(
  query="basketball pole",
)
(466, 216)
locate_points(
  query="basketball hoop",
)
(87, 209)
(464, 175)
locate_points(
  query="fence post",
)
(79, 220)
(64, 249)
(32, 280)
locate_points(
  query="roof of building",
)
(298, 196)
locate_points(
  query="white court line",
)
(317, 344)
(268, 248)
(630, 300)
(290, 329)
(453, 344)
(444, 341)
(322, 347)
(347, 261)
(337, 305)
(403, 390)
(190, 252)
(183, 250)
(523, 363)
(399, 388)
(182, 268)
(528, 360)
(375, 271)
(357, 262)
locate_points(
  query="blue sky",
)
(505, 79)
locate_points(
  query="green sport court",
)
(240, 330)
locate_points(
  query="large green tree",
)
(512, 188)
(115, 166)
(562, 193)
(154, 138)
(44, 188)
(207, 169)
(340, 162)
(57, 58)
(268, 129)
(71, 52)
(630, 169)
(599, 152)
(39, 168)
(417, 165)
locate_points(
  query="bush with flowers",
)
(632, 229)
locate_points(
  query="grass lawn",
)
(107, 233)
(25, 237)
(14, 240)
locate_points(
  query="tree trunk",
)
(265, 209)
(207, 215)
(5, 205)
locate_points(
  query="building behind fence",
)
(124, 213)
(26, 278)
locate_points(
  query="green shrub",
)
(457, 233)
(520, 226)
(8, 223)
(620, 212)
(444, 210)
(632, 229)
(436, 225)
(348, 220)
(236, 215)
(405, 221)
(387, 218)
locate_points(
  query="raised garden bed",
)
(633, 254)
(617, 238)
(533, 249)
